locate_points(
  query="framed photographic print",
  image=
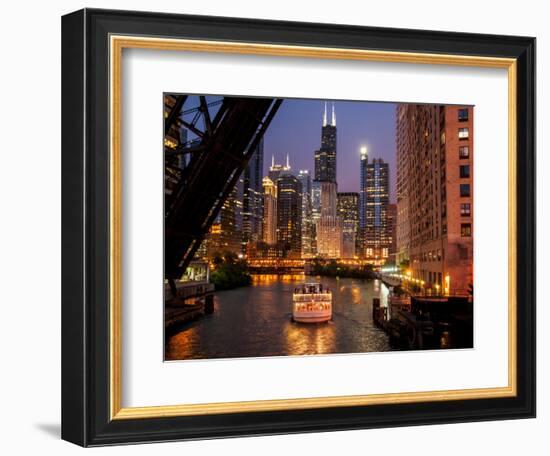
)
(279, 227)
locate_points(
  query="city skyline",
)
(295, 131)
(281, 210)
(301, 208)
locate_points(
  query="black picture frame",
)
(85, 228)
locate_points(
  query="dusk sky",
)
(296, 129)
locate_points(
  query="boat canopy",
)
(312, 287)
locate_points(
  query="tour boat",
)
(312, 303)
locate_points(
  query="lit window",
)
(464, 152)
(463, 115)
(465, 229)
(464, 171)
(463, 133)
(465, 209)
(464, 189)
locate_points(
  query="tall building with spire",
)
(270, 200)
(325, 157)
(276, 170)
(328, 226)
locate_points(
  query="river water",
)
(256, 321)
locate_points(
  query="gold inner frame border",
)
(117, 44)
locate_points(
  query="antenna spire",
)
(287, 161)
(333, 123)
(272, 160)
(325, 116)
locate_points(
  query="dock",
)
(426, 322)
(194, 300)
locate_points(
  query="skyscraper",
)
(253, 196)
(435, 194)
(269, 229)
(275, 170)
(315, 212)
(348, 212)
(404, 137)
(308, 229)
(329, 199)
(329, 226)
(225, 233)
(325, 157)
(377, 238)
(289, 215)
(364, 161)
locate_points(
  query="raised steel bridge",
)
(202, 168)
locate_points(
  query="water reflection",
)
(256, 321)
(303, 340)
(269, 279)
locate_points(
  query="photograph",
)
(313, 227)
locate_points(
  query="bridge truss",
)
(203, 165)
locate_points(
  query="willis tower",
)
(328, 226)
(325, 157)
